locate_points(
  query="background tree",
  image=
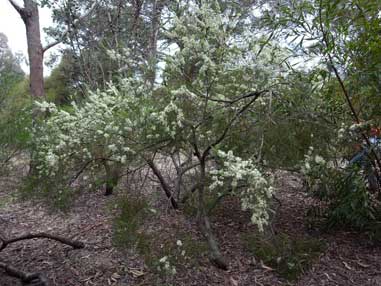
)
(10, 69)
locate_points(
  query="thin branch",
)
(75, 177)
(67, 31)
(265, 44)
(33, 278)
(255, 96)
(18, 8)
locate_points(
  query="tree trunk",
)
(30, 15)
(216, 256)
(35, 52)
(112, 177)
(163, 183)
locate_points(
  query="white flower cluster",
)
(313, 162)
(44, 106)
(99, 128)
(353, 131)
(165, 266)
(257, 190)
(112, 124)
(171, 118)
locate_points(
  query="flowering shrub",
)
(257, 190)
(342, 188)
(110, 127)
(207, 89)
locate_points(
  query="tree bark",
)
(163, 183)
(112, 177)
(30, 15)
(215, 256)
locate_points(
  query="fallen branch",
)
(73, 243)
(33, 279)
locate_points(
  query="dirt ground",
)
(349, 259)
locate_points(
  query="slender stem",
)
(165, 186)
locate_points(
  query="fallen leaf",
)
(347, 265)
(115, 277)
(233, 281)
(266, 267)
(362, 264)
(136, 273)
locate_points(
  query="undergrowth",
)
(127, 224)
(164, 256)
(290, 257)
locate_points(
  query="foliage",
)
(205, 97)
(127, 224)
(340, 49)
(343, 192)
(59, 86)
(13, 116)
(172, 255)
(10, 70)
(289, 256)
(344, 186)
(259, 191)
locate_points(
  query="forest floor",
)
(348, 259)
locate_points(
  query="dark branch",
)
(72, 243)
(255, 95)
(35, 279)
(163, 183)
(18, 8)
(27, 278)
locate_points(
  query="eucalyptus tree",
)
(30, 16)
(29, 13)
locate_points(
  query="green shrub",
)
(342, 191)
(344, 199)
(127, 224)
(55, 194)
(290, 257)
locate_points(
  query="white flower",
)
(179, 243)
(123, 159)
(112, 147)
(319, 159)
